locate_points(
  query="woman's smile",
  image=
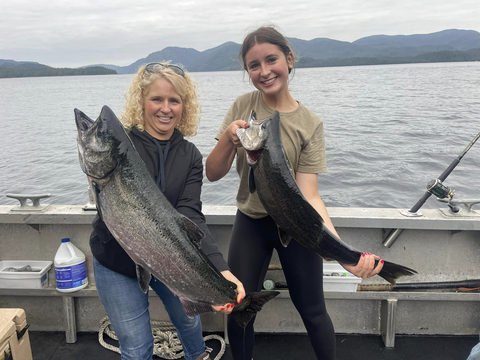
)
(163, 108)
(269, 81)
(164, 119)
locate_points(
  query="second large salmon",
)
(279, 193)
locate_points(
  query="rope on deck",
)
(165, 340)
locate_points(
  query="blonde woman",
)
(161, 108)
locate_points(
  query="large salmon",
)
(160, 240)
(279, 193)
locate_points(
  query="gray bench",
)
(388, 312)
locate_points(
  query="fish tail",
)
(391, 271)
(251, 304)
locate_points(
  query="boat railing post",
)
(69, 319)
(91, 205)
(388, 321)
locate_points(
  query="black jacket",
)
(184, 176)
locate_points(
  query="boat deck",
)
(52, 346)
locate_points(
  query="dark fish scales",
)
(160, 240)
(279, 193)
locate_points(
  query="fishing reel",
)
(442, 192)
(439, 189)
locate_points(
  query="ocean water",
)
(389, 129)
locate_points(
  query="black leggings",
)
(251, 246)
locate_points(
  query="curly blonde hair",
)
(185, 86)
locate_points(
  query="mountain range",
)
(12, 69)
(446, 45)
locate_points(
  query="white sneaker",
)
(205, 355)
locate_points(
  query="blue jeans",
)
(127, 307)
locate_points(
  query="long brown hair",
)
(265, 34)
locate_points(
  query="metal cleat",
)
(455, 210)
(24, 205)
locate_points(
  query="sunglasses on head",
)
(175, 68)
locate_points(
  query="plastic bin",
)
(14, 337)
(27, 279)
(336, 278)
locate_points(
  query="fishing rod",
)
(462, 285)
(435, 187)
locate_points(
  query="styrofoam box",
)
(344, 281)
(24, 279)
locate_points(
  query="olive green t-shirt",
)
(302, 139)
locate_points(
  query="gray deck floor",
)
(52, 346)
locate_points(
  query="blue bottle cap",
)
(66, 240)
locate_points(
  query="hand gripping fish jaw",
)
(253, 138)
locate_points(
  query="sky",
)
(75, 33)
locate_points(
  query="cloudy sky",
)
(63, 33)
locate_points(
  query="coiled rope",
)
(165, 340)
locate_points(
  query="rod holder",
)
(391, 237)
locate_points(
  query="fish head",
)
(255, 136)
(100, 143)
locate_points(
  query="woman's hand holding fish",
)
(365, 267)
(232, 131)
(220, 160)
(227, 308)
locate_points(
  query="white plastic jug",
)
(70, 267)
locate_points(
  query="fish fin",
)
(251, 304)
(284, 237)
(192, 309)
(251, 181)
(194, 232)
(144, 278)
(391, 271)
